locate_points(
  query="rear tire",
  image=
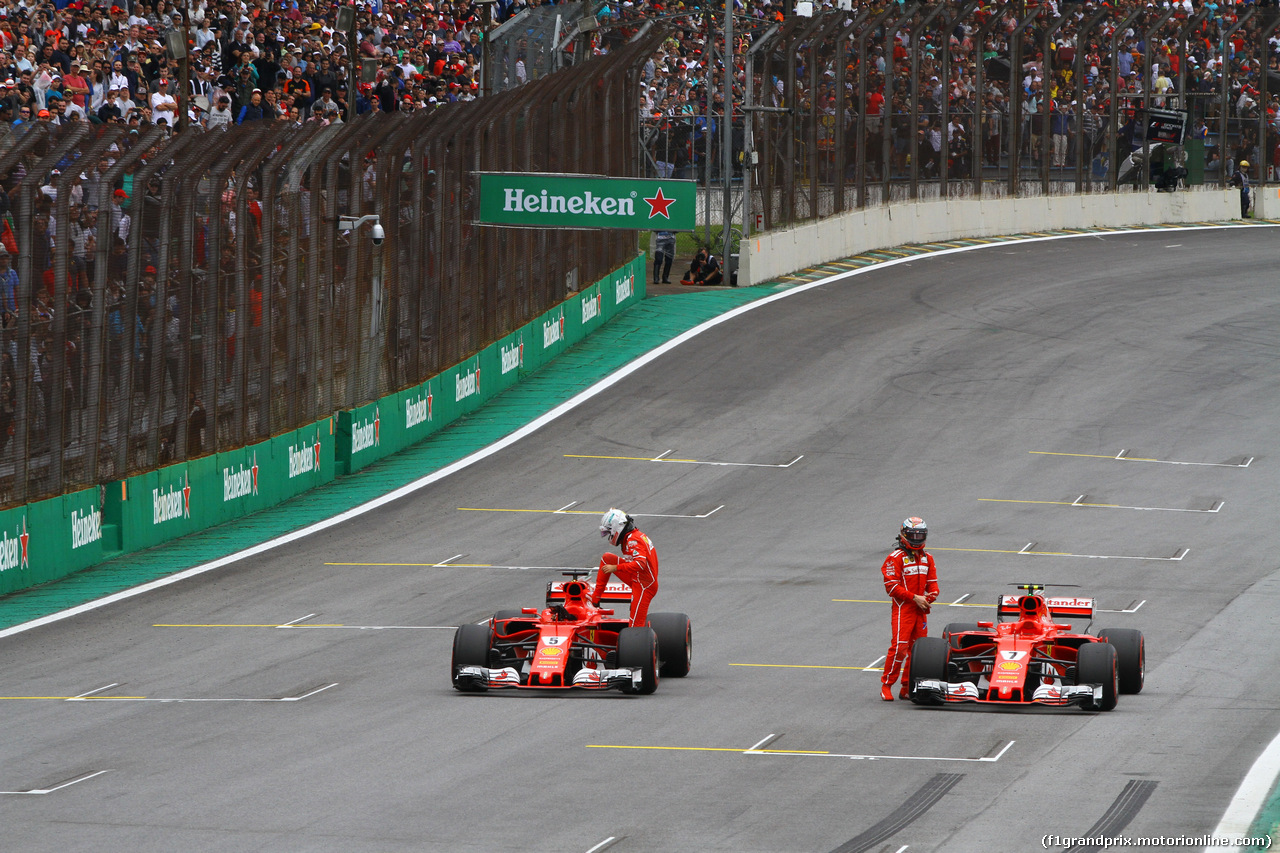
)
(638, 648)
(470, 648)
(1097, 664)
(675, 643)
(929, 657)
(1131, 656)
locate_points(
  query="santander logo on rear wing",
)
(615, 592)
(1064, 606)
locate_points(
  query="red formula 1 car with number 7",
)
(572, 644)
(1027, 657)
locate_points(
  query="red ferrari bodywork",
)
(1028, 657)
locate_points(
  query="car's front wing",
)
(943, 692)
(480, 678)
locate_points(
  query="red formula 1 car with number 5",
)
(572, 644)
(1026, 657)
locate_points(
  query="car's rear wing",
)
(1066, 607)
(615, 592)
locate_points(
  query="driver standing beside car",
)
(912, 584)
(637, 567)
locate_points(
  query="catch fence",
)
(179, 295)
(895, 102)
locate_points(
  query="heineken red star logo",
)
(254, 469)
(429, 402)
(24, 539)
(317, 449)
(186, 496)
(658, 205)
(377, 426)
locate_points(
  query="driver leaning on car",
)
(637, 567)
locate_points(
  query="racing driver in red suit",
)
(637, 567)
(912, 584)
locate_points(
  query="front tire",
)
(638, 649)
(470, 648)
(1097, 664)
(1131, 656)
(929, 657)
(675, 643)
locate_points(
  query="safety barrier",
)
(47, 540)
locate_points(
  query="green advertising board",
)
(50, 539)
(197, 494)
(374, 431)
(540, 200)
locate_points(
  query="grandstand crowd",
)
(1181, 66)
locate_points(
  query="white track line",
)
(559, 411)
(1250, 797)
(66, 784)
(1123, 458)
(773, 753)
(83, 696)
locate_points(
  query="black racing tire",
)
(1097, 664)
(470, 648)
(1131, 656)
(675, 643)
(957, 628)
(929, 656)
(638, 648)
(503, 615)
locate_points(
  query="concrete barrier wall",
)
(775, 253)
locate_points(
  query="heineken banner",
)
(541, 200)
(50, 539)
(197, 494)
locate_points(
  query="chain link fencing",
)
(170, 296)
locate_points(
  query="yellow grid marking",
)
(711, 749)
(244, 625)
(78, 698)
(627, 458)
(550, 511)
(431, 565)
(936, 604)
(1055, 503)
(1095, 456)
(807, 666)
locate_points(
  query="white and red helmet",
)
(914, 531)
(613, 524)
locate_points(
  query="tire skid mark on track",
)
(1117, 817)
(907, 813)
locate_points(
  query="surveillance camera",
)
(378, 234)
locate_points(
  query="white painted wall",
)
(776, 253)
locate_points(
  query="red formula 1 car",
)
(571, 644)
(1026, 657)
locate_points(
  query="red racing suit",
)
(637, 568)
(907, 574)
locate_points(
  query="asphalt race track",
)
(1097, 411)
